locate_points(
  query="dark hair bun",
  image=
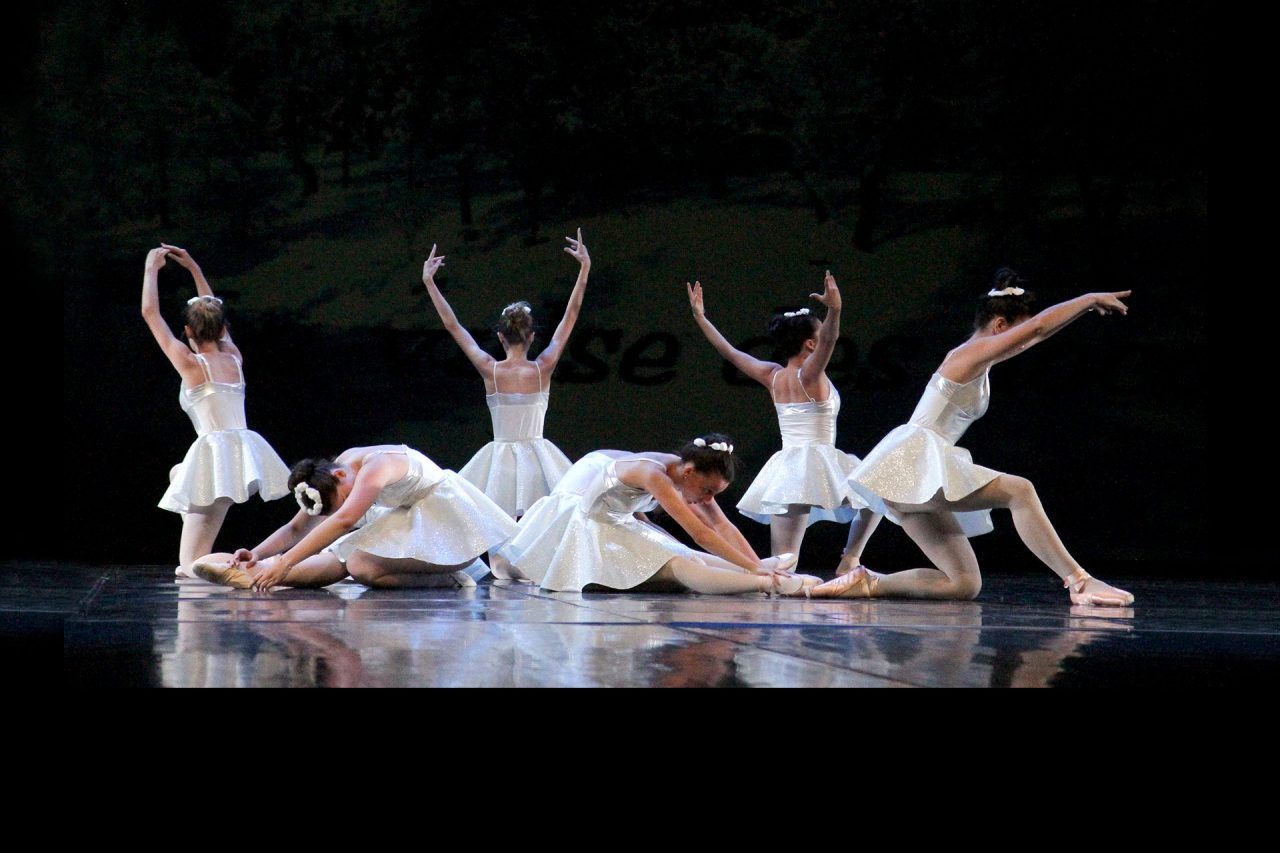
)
(791, 329)
(1008, 298)
(711, 454)
(318, 475)
(516, 323)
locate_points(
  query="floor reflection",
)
(139, 627)
(958, 644)
(274, 641)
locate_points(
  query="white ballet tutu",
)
(911, 464)
(813, 474)
(453, 523)
(516, 474)
(229, 463)
(563, 548)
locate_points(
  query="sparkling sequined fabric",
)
(912, 463)
(808, 470)
(519, 466)
(227, 459)
(429, 514)
(585, 531)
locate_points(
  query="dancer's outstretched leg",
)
(711, 579)
(316, 571)
(1018, 495)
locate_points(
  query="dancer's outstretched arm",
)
(480, 359)
(715, 518)
(656, 482)
(184, 259)
(968, 361)
(757, 369)
(285, 537)
(550, 356)
(816, 365)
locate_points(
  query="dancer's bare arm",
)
(184, 259)
(655, 481)
(481, 360)
(828, 334)
(284, 538)
(758, 369)
(550, 356)
(968, 361)
(178, 353)
(715, 518)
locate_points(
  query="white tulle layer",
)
(229, 463)
(812, 474)
(516, 474)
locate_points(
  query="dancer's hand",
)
(156, 258)
(578, 249)
(1109, 303)
(182, 256)
(429, 268)
(243, 558)
(272, 576)
(830, 295)
(695, 298)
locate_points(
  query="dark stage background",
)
(309, 154)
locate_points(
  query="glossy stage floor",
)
(136, 626)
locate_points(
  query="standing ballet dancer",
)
(924, 482)
(806, 481)
(592, 529)
(387, 516)
(519, 466)
(228, 462)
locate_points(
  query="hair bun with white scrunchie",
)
(312, 494)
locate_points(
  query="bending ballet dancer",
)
(519, 466)
(387, 516)
(592, 529)
(228, 462)
(806, 481)
(924, 482)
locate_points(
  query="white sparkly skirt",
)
(816, 475)
(453, 523)
(516, 474)
(563, 548)
(229, 463)
(911, 465)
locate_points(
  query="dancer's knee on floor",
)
(364, 569)
(967, 587)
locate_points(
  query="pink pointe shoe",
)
(780, 563)
(223, 574)
(788, 585)
(859, 582)
(1109, 596)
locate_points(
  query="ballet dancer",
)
(228, 462)
(386, 515)
(924, 482)
(592, 529)
(806, 481)
(519, 466)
